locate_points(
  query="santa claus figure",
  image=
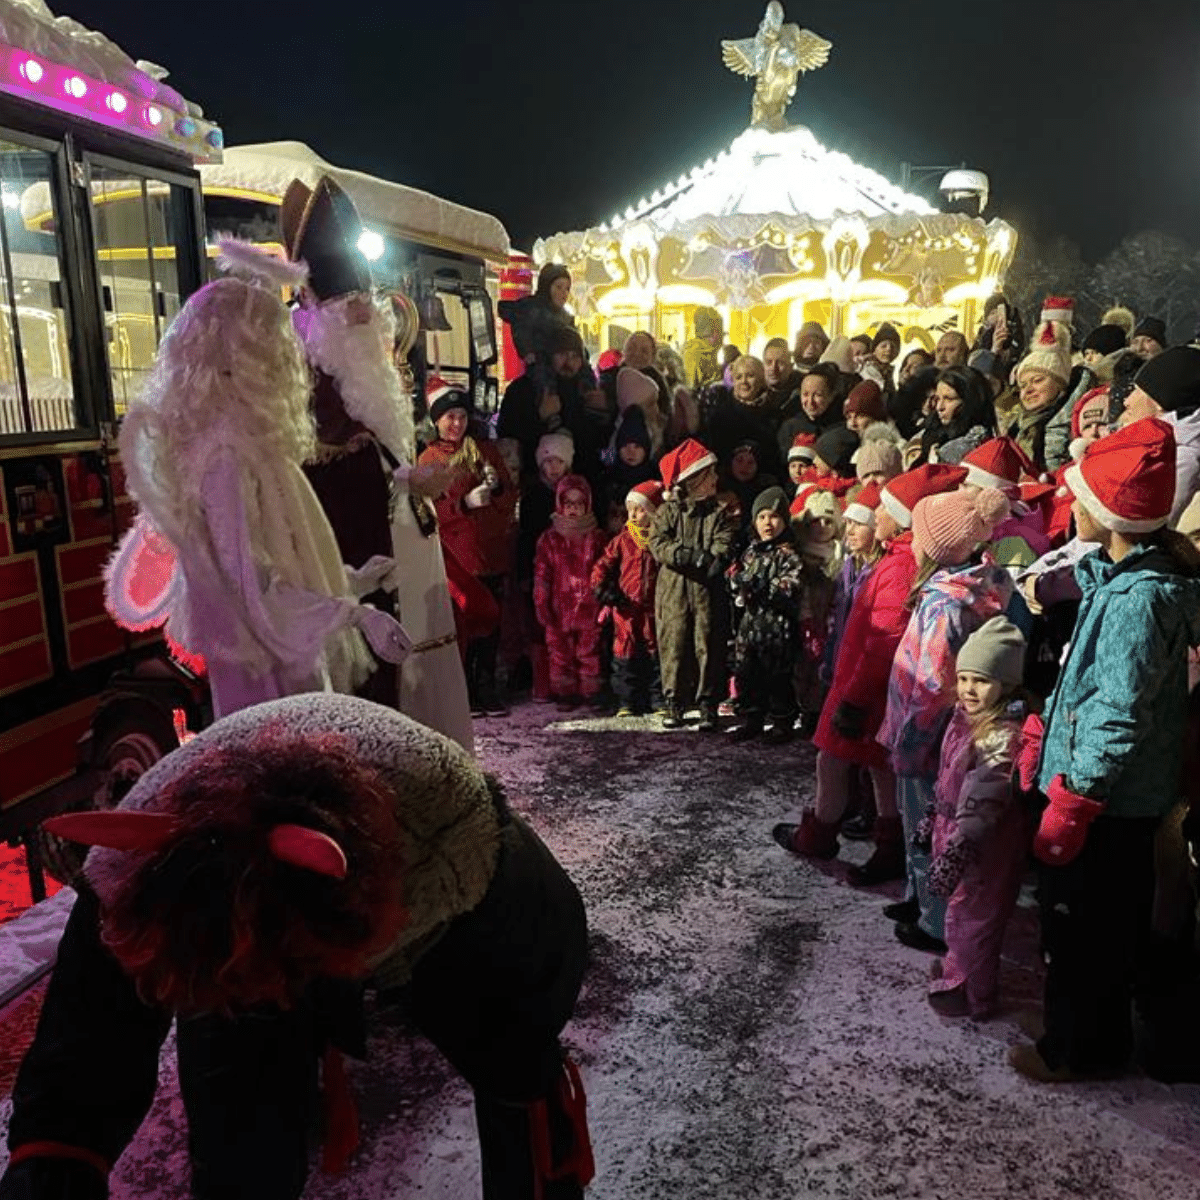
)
(377, 502)
(231, 548)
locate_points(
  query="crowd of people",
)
(970, 575)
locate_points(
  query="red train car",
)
(101, 241)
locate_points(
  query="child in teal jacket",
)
(1112, 752)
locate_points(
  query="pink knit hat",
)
(948, 527)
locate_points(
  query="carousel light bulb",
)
(370, 245)
(117, 102)
(154, 116)
(32, 71)
(75, 86)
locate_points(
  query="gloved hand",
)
(385, 635)
(849, 720)
(946, 871)
(370, 576)
(478, 497)
(702, 560)
(1064, 824)
(608, 593)
(1029, 751)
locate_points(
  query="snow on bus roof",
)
(59, 63)
(263, 171)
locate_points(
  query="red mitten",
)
(1064, 825)
(1029, 751)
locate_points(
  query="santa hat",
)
(1126, 481)
(802, 452)
(687, 459)
(442, 396)
(862, 507)
(1050, 353)
(801, 499)
(1058, 308)
(1096, 398)
(948, 527)
(634, 388)
(998, 463)
(320, 227)
(555, 445)
(649, 495)
(608, 360)
(902, 494)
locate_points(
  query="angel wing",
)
(741, 56)
(810, 50)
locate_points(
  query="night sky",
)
(554, 115)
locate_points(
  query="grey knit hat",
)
(996, 649)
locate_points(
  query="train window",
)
(135, 225)
(37, 391)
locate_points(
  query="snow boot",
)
(710, 718)
(812, 838)
(887, 859)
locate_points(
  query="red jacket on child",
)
(636, 572)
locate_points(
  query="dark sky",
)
(554, 114)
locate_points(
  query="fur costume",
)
(212, 450)
(491, 962)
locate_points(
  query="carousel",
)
(778, 230)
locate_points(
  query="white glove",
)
(370, 576)
(478, 497)
(385, 635)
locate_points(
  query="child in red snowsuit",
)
(562, 594)
(624, 580)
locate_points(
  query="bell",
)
(433, 314)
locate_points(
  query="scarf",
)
(573, 527)
(640, 535)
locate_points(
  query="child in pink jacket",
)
(562, 594)
(980, 832)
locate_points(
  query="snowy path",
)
(750, 1029)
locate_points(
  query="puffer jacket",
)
(1115, 722)
(562, 569)
(634, 573)
(921, 693)
(767, 585)
(865, 655)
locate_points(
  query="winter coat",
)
(633, 573)
(533, 321)
(520, 418)
(562, 579)
(802, 423)
(974, 782)
(921, 688)
(864, 657)
(691, 601)
(1028, 429)
(846, 587)
(767, 584)
(480, 538)
(701, 363)
(1115, 723)
(730, 423)
(1187, 459)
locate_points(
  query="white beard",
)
(357, 358)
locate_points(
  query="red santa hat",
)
(1126, 481)
(801, 499)
(687, 459)
(998, 463)
(1058, 308)
(862, 508)
(901, 495)
(608, 360)
(648, 495)
(802, 452)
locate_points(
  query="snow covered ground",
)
(750, 1029)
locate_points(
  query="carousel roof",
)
(764, 172)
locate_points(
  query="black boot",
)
(672, 717)
(710, 718)
(749, 729)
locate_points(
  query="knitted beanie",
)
(555, 445)
(1172, 380)
(835, 447)
(1105, 339)
(442, 397)
(1049, 354)
(948, 527)
(878, 456)
(841, 354)
(812, 329)
(886, 333)
(1120, 316)
(866, 400)
(1152, 327)
(774, 499)
(635, 388)
(996, 650)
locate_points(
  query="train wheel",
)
(132, 743)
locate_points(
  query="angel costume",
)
(365, 450)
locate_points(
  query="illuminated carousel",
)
(778, 230)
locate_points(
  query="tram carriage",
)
(84, 302)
